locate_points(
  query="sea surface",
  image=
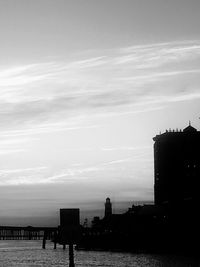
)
(29, 253)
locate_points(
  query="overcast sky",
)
(84, 87)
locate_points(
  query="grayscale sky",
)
(84, 87)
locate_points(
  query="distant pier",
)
(27, 233)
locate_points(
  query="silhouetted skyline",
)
(84, 86)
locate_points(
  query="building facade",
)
(177, 166)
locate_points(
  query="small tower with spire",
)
(108, 208)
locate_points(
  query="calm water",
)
(29, 253)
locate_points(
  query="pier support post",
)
(71, 255)
(44, 243)
(64, 246)
(44, 240)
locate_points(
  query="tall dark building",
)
(108, 208)
(177, 167)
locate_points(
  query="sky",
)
(84, 87)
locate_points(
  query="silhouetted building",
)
(69, 217)
(96, 221)
(172, 223)
(108, 208)
(177, 167)
(69, 228)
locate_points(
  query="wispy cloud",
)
(42, 129)
(8, 171)
(11, 151)
(14, 144)
(15, 141)
(31, 175)
(156, 55)
(55, 91)
(75, 173)
(139, 148)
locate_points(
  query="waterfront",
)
(29, 254)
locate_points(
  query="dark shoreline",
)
(184, 254)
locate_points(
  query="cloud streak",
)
(75, 173)
(131, 76)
